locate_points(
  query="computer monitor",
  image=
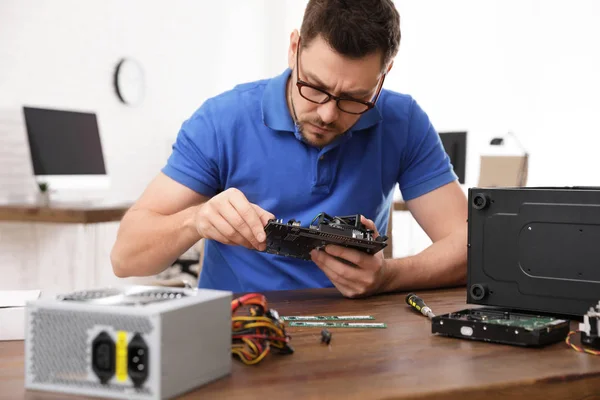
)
(455, 144)
(65, 147)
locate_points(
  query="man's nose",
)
(328, 112)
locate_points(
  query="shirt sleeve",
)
(426, 166)
(194, 161)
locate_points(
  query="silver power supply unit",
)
(136, 342)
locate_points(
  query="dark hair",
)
(354, 28)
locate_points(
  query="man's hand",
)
(364, 276)
(230, 218)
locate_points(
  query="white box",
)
(12, 312)
(137, 342)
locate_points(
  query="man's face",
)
(320, 66)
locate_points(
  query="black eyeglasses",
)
(317, 95)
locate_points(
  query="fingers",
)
(212, 225)
(344, 285)
(220, 226)
(345, 290)
(370, 225)
(335, 270)
(350, 281)
(231, 219)
(213, 233)
(245, 219)
(264, 216)
(354, 273)
(358, 258)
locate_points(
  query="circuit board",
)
(326, 317)
(292, 240)
(499, 317)
(501, 326)
(327, 324)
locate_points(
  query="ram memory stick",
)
(326, 317)
(323, 324)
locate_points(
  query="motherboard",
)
(292, 240)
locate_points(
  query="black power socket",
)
(103, 357)
(138, 360)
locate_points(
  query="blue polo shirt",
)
(245, 138)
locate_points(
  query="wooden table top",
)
(73, 213)
(404, 361)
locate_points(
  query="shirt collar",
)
(276, 115)
(275, 112)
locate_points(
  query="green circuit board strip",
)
(324, 324)
(529, 324)
(327, 317)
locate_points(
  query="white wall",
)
(62, 53)
(522, 65)
(16, 172)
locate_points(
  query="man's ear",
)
(389, 67)
(294, 37)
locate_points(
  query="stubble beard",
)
(318, 139)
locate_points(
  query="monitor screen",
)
(64, 142)
(455, 144)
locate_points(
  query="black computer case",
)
(534, 249)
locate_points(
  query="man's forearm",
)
(148, 242)
(444, 263)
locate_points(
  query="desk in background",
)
(409, 237)
(63, 213)
(399, 205)
(60, 248)
(404, 361)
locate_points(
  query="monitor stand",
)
(77, 189)
(65, 198)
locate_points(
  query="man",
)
(321, 137)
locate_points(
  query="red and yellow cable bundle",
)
(257, 331)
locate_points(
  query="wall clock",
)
(129, 81)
